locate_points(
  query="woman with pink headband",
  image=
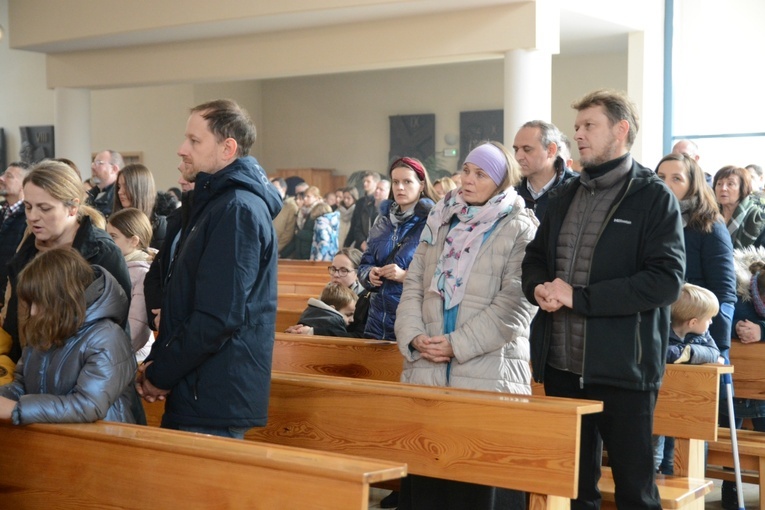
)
(391, 243)
(463, 320)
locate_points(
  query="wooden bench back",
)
(293, 301)
(110, 465)
(749, 362)
(519, 442)
(688, 401)
(314, 289)
(346, 357)
(313, 276)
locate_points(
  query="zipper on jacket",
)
(196, 386)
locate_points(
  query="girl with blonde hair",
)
(131, 231)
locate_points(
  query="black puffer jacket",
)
(636, 273)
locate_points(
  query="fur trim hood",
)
(742, 259)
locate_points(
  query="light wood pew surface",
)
(521, 442)
(749, 362)
(515, 441)
(303, 276)
(314, 289)
(110, 465)
(348, 357)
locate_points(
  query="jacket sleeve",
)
(108, 370)
(137, 314)
(111, 259)
(409, 321)
(704, 350)
(660, 264)
(508, 316)
(230, 266)
(535, 266)
(720, 278)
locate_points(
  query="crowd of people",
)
(517, 267)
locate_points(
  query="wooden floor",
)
(712, 502)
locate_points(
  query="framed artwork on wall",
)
(37, 143)
(480, 126)
(413, 136)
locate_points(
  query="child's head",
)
(130, 229)
(694, 309)
(51, 292)
(341, 298)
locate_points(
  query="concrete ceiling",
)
(579, 33)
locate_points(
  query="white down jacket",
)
(491, 337)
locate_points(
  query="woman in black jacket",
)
(57, 217)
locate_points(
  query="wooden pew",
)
(359, 358)
(110, 465)
(293, 301)
(314, 289)
(520, 442)
(286, 318)
(313, 276)
(686, 409)
(292, 264)
(748, 382)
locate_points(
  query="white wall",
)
(24, 98)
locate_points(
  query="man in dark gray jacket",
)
(212, 359)
(604, 267)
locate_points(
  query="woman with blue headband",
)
(463, 320)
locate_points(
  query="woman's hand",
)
(436, 349)
(300, 329)
(748, 332)
(374, 276)
(6, 408)
(393, 272)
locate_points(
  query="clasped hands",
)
(389, 272)
(748, 332)
(437, 349)
(145, 388)
(551, 296)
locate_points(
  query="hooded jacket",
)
(217, 330)
(87, 379)
(385, 239)
(94, 244)
(636, 272)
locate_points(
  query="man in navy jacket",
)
(212, 359)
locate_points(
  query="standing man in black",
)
(605, 265)
(212, 359)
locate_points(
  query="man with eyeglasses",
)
(105, 167)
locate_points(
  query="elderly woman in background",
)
(742, 212)
(463, 320)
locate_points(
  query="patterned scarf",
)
(463, 241)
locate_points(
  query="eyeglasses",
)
(98, 162)
(342, 271)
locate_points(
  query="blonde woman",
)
(57, 217)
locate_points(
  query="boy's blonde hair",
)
(694, 302)
(338, 296)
